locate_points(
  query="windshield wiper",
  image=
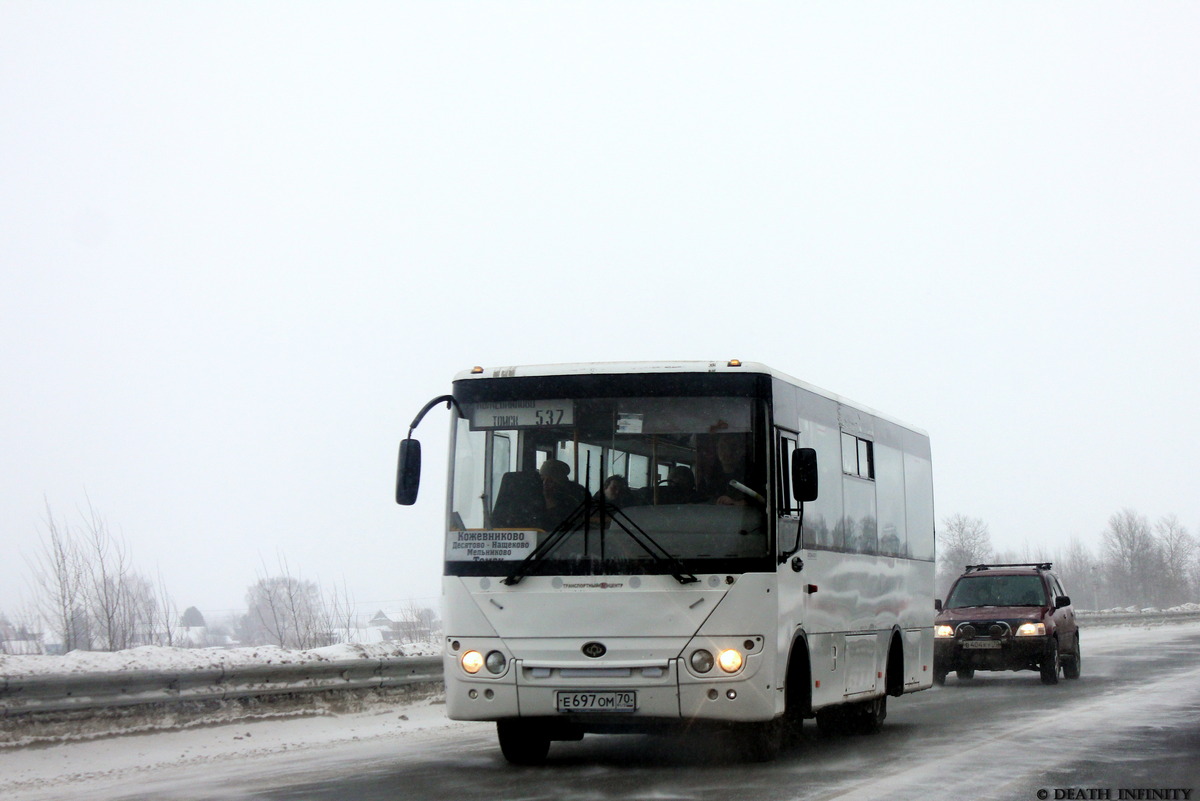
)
(569, 525)
(557, 535)
(649, 544)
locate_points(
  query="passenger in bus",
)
(520, 501)
(562, 495)
(616, 493)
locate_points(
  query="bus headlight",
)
(472, 662)
(943, 631)
(730, 660)
(1031, 630)
(702, 661)
(496, 662)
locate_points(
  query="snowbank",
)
(151, 657)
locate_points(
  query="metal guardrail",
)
(124, 688)
(107, 690)
(1125, 618)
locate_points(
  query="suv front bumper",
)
(1011, 653)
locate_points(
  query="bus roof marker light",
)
(476, 370)
(735, 363)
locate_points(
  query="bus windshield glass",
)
(604, 486)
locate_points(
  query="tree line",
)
(86, 594)
(1136, 563)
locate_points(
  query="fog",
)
(242, 244)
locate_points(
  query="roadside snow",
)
(94, 768)
(152, 657)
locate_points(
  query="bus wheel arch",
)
(798, 682)
(893, 673)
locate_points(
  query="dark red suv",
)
(1006, 617)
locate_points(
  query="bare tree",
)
(417, 623)
(110, 589)
(58, 582)
(1080, 574)
(962, 541)
(341, 617)
(1177, 550)
(1131, 557)
(87, 590)
(164, 625)
(287, 611)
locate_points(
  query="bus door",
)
(792, 584)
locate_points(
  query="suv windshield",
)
(602, 478)
(991, 590)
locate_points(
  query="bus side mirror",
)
(408, 472)
(804, 474)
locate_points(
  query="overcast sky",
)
(242, 243)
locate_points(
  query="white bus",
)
(635, 547)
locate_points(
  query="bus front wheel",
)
(523, 742)
(760, 742)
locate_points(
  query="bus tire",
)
(523, 742)
(869, 716)
(798, 692)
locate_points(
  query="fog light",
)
(496, 662)
(472, 662)
(702, 661)
(730, 660)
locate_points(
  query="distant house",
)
(19, 640)
(404, 625)
(193, 631)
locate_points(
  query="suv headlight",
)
(1031, 630)
(943, 631)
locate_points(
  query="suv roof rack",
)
(1038, 565)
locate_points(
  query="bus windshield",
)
(616, 485)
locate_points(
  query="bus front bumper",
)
(632, 698)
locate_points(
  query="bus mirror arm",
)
(408, 469)
(797, 563)
(447, 399)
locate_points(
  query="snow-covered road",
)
(1132, 722)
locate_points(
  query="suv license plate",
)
(622, 701)
(982, 644)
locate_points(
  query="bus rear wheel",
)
(869, 716)
(523, 742)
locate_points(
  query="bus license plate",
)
(623, 701)
(981, 644)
